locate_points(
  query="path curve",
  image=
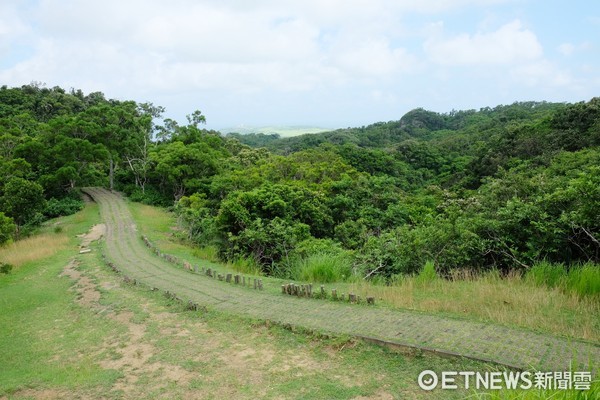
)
(482, 341)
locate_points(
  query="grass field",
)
(72, 329)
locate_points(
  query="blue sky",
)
(329, 63)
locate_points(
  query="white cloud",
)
(233, 45)
(542, 73)
(566, 49)
(511, 43)
(569, 49)
(12, 28)
(251, 57)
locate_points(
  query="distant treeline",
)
(499, 187)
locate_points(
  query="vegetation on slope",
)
(501, 188)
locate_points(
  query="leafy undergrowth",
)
(71, 328)
(511, 300)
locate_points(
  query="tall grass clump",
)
(209, 253)
(33, 248)
(584, 280)
(246, 265)
(323, 267)
(427, 274)
(545, 273)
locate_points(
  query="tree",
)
(182, 168)
(196, 118)
(7, 228)
(22, 200)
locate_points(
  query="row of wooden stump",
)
(236, 279)
(229, 278)
(191, 306)
(293, 289)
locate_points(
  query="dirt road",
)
(514, 347)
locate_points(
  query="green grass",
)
(541, 394)
(583, 280)
(427, 274)
(41, 326)
(323, 267)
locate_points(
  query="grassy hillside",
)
(71, 329)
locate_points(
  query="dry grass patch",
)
(33, 248)
(508, 300)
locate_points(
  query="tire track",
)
(486, 342)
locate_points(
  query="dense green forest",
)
(501, 187)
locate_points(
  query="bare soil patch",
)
(95, 233)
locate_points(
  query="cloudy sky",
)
(328, 63)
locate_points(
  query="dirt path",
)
(513, 347)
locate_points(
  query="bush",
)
(323, 267)
(65, 206)
(149, 196)
(5, 268)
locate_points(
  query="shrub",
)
(149, 196)
(65, 206)
(5, 268)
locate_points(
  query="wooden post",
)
(334, 294)
(236, 279)
(352, 298)
(255, 283)
(228, 278)
(282, 289)
(244, 280)
(322, 291)
(371, 300)
(260, 284)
